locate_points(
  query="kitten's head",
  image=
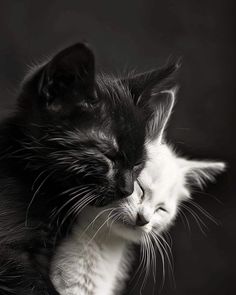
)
(162, 185)
(86, 131)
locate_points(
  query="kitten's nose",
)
(141, 220)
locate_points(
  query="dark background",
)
(142, 35)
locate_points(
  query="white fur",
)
(91, 260)
(95, 259)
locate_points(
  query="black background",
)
(141, 35)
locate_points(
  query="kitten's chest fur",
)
(90, 263)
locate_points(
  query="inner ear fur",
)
(200, 172)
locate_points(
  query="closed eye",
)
(160, 208)
(143, 191)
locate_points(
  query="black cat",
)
(76, 137)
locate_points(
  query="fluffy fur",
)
(95, 259)
(76, 138)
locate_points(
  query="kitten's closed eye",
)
(160, 208)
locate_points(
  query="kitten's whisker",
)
(153, 260)
(204, 212)
(167, 252)
(147, 269)
(156, 239)
(141, 263)
(184, 220)
(168, 248)
(196, 218)
(208, 195)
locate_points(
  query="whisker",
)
(34, 196)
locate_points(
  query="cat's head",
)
(162, 186)
(86, 131)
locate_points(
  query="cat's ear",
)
(200, 172)
(67, 79)
(160, 112)
(142, 85)
(154, 92)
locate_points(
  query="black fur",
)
(77, 137)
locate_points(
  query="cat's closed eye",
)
(160, 208)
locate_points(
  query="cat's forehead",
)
(161, 161)
(161, 172)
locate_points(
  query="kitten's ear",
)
(68, 79)
(142, 85)
(200, 172)
(160, 112)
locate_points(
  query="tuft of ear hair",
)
(154, 92)
(162, 107)
(67, 79)
(142, 85)
(199, 172)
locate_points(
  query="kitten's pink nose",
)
(141, 220)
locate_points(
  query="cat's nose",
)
(141, 220)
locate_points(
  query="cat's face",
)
(87, 130)
(161, 187)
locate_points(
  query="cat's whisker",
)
(168, 237)
(195, 215)
(82, 203)
(78, 207)
(106, 221)
(95, 219)
(114, 218)
(196, 218)
(84, 190)
(158, 243)
(34, 196)
(167, 251)
(184, 219)
(200, 192)
(204, 212)
(141, 265)
(37, 178)
(147, 262)
(153, 260)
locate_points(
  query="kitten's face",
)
(86, 131)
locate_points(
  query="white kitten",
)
(95, 259)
